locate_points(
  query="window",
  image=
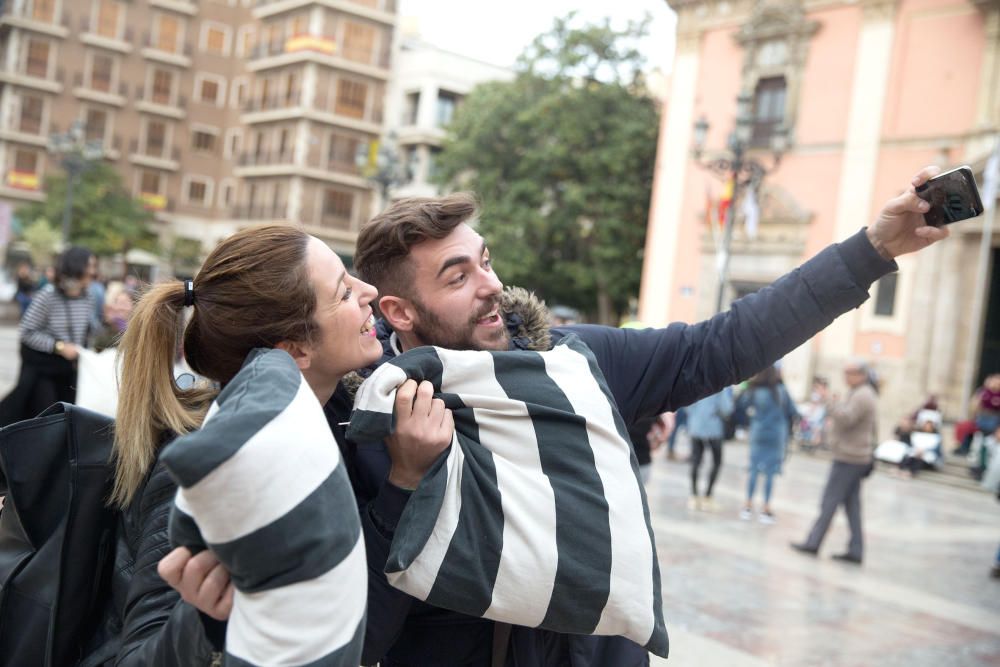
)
(245, 41)
(885, 295)
(282, 143)
(342, 152)
(38, 58)
(208, 91)
(299, 25)
(31, 114)
(203, 141)
(432, 160)
(167, 29)
(359, 41)
(351, 98)
(768, 110)
(163, 86)
(410, 108)
(411, 163)
(291, 89)
(337, 206)
(265, 94)
(101, 68)
(149, 182)
(44, 10)
(197, 191)
(25, 161)
(215, 40)
(239, 92)
(226, 194)
(108, 14)
(234, 137)
(156, 138)
(95, 125)
(446, 104)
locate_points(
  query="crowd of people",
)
(429, 272)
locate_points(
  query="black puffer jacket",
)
(145, 621)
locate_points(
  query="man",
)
(852, 438)
(438, 287)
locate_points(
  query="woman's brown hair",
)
(252, 291)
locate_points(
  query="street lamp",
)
(76, 155)
(379, 162)
(736, 166)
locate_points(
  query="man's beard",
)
(432, 331)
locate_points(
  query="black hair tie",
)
(188, 293)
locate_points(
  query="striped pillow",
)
(536, 516)
(262, 485)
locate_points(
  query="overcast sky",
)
(497, 32)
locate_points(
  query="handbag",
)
(56, 534)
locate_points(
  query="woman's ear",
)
(300, 352)
(398, 312)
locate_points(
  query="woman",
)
(773, 413)
(272, 286)
(53, 329)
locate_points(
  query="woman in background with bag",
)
(772, 413)
(52, 330)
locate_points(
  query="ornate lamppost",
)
(738, 167)
(76, 155)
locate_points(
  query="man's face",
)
(455, 293)
(855, 376)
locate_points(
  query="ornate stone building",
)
(868, 91)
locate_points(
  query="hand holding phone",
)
(953, 196)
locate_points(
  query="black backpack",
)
(56, 534)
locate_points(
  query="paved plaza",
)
(735, 595)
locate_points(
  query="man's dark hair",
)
(73, 263)
(381, 257)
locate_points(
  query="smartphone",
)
(953, 196)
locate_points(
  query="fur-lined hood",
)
(526, 316)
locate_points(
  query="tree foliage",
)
(105, 217)
(562, 158)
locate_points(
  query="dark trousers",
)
(698, 446)
(843, 487)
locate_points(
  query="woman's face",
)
(346, 338)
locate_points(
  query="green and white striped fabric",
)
(263, 486)
(536, 515)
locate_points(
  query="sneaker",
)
(746, 514)
(847, 558)
(766, 518)
(804, 549)
(708, 504)
(694, 503)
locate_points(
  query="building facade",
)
(869, 91)
(428, 86)
(218, 114)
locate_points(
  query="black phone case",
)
(953, 197)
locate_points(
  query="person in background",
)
(25, 286)
(118, 306)
(706, 426)
(98, 294)
(772, 413)
(852, 436)
(52, 330)
(680, 422)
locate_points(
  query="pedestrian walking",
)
(852, 437)
(772, 413)
(53, 329)
(707, 427)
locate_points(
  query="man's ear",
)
(299, 352)
(398, 312)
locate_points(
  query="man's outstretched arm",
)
(654, 370)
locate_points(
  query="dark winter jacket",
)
(649, 372)
(145, 623)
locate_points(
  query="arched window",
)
(768, 109)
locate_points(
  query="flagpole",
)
(727, 234)
(973, 341)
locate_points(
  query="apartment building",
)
(219, 114)
(428, 85)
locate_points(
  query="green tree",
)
(42, 239)
(105, 217)
(562, 158)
